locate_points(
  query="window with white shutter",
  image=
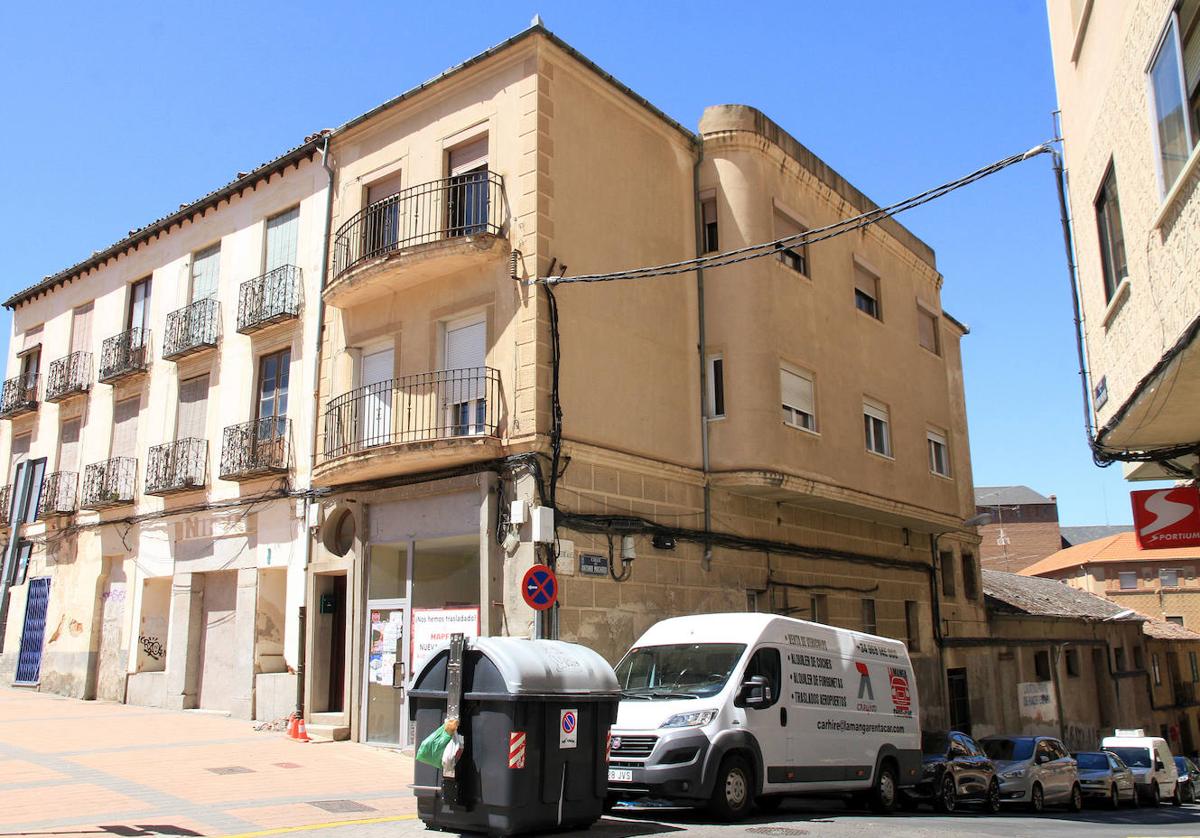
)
(206, 272)
(68, 446)
(798, 399)
(282, 236)
(81, 329)
(193, 408)
(464, 376)
(866, 292)
(794, 256)
(877, 427)
(124, 431)
(939, 453)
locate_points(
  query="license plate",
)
(620, 775)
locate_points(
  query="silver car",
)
(1104, 777)
(1034, 771)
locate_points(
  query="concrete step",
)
(329, 733)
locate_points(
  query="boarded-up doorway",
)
(218, 650)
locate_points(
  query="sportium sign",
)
(1167, 517)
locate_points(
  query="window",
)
(1072, 661)
(819, 609)
(81, 329)
(1173, 75)
(708, 218)
(875, 423)
(795, 257)
(912, 625)
(191, 420)
(1041, 665)
(1195, 666)
(138, 316)
(766, 662)
(939, 453)
(27, 492)
(1119, 658)
(1177, 620)
(869, 623)
(946, 560)
(716, 386)
(124, 429)
(1155, 669)
(282, 233)
(866, 292)
(970, 577)
(1139, 658)
(1112, 236)
(1129, 580)
(929, 331)
(274, 371)
(798, 400)
(1168, 577)
(465, 355)
(206, 271)
(468, 193)
(31, 362)
(68, 445)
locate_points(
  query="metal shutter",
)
(81, 329)
(206, 272)
(68, 446)
(282, 232)
(193, 408)
(124, 433)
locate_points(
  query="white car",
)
(1035, 771)
(1153, 767)
(737, 709)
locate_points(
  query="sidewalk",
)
(72, 767)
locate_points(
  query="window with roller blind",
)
(81, 329)
(877, 428)
(282, 239)
(191, 419)
(798, 398)
(206, 272)
(467, 195)
(1173, 82)
(68, 445)
(928, 331)
(794, 256)
(866, 292)
(463, 377)
(124, 429)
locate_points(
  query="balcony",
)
(19, 396)
(424, 232)
(435, 419)
(5, 504)
(254, 449)
(110, 483)
(124, 355)
(179, 466)
(69, 376)
(191, 329)
(58, 496)
(271, 298)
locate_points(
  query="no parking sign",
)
(568, 728)
(539, 588)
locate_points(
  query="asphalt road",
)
(832, 818)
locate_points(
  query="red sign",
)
(1167, 517)
(539, 588)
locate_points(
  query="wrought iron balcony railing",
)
(18, 396)
(125, 354)
(69, 376)
(441, 405)
(191, 329)
(253, 449)
(178, 466)
(58, 494)
(268, 299)
(464, 205)
(110, 483)
(5, 504)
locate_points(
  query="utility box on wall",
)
(542, 524)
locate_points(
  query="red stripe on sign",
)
(516, 749)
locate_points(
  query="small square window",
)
(716, 386)
(869, 623)
(1041, 665)
(1129, 580)
(1155, 669)
(794, 256)
(866, 292)
(876, 428)
(1168, 577)
(939, 453)
(798, 399)
(819, 610)
(708, 217)
(1072, 660)
(1177, 619)
(928, 331)
(946, 560)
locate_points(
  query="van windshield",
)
(683, 670)
(1133, 757)
(1009, 750)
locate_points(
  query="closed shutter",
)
(385, 188)
(68, 446)
(927, 326)
(33, 337)
(206, 272)
(193, 408)
(124, 434)
(81, 329)
(282, 231)
(1189, 18)
(20, 453)
(797, 391)
(466, 345)
(469, 157)
(866, 282)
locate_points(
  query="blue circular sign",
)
(539, 588)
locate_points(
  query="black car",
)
(956, 771)
(1189, 778)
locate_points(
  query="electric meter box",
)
(542, 521)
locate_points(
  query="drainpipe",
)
(706, 563)
(301, 655)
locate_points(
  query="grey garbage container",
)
(535, 717)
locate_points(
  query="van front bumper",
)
(674, 769)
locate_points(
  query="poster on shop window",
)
(431, 629)
(385, 638)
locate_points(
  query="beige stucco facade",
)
(1144, 362)
(176, 581)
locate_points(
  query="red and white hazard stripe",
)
(516, 749)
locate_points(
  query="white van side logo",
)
(864, 683)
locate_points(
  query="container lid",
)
(527, 667)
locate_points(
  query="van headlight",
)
(696, 718)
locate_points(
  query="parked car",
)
(955, 770)
(1189, 777)
(1102, 776)
(1151, 762)
(1035, 771)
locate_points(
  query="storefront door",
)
(385, 669)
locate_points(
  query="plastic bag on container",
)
(431, 750)
(451, 754)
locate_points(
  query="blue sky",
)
(117, 113)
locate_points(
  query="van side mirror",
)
(754, 692)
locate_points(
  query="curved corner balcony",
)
(415, 423)
(424, 232)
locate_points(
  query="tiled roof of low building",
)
(1080, 535)
(1016, 594)
(1122, 547)
(1164, 630)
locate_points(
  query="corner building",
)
(786, 434)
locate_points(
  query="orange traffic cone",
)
(291, 726)
(301, 731)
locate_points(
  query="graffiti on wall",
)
(152, 646)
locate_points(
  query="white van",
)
(1149, 758)
(734, 709)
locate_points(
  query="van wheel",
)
(884, 795)
(946, 800)
(1076, 804)
(992, 804)
(1037, 801)
(733, 793)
